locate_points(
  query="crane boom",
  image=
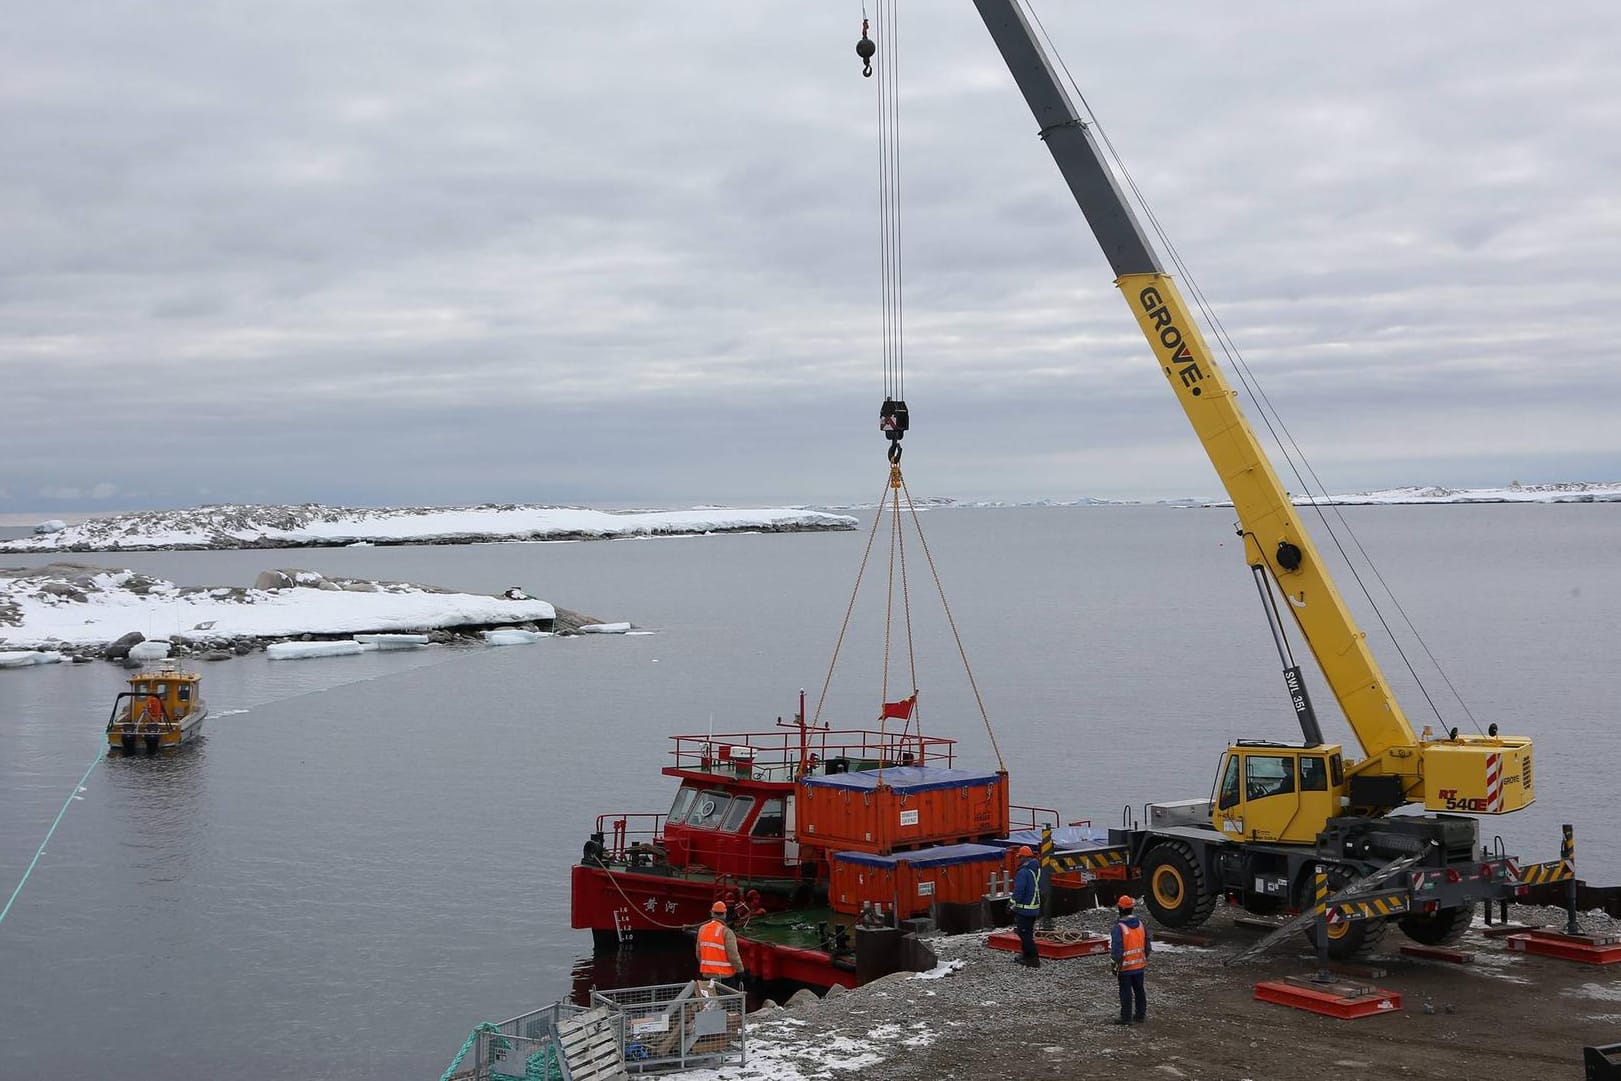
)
(1274, 536)
(1281, 813)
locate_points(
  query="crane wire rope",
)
(889, 203)
(1269, 414)
(956, 636)
(849, 609)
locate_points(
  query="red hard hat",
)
(1126, 901)
(1023, 851)
(718, 908)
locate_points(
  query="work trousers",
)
(1131, 988)
(1026, 924)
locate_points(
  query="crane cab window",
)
(1268, 775)
(1231, 794)
(1335, 770)
(1313, 775)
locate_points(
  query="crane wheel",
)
(1347, 939)
(1178, 892)
(1443, 928)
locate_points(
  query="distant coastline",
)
(313, 525)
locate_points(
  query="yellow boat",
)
(163, 707)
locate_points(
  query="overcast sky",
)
(627, 253)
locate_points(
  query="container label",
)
(909, 818)
(925, 889)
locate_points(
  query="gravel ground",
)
(981, 1016)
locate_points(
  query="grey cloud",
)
(629, 252)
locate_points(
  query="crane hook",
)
(865, 49)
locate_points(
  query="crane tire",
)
(1348, 939)
(1174, 880)
(1443, 928)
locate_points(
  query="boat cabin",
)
(162, 695)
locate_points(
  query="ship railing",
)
(622, 833)
(775, 756)
(1022, 817)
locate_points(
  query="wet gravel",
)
(981, 1016)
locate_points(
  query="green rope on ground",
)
(472, 1038)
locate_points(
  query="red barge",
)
(808, 834)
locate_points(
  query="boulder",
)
(119, 650)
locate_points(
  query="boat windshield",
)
(769, 824)
(679, 809)
(709, 809)
(741, 806)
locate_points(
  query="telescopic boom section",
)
(1274, 536)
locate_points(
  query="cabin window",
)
(708, 810)
(1268, 775)
(1313, 775)
(679, 809)
(1335, 770)
(769, 824)
(741, 806)
(1229, 784)
(185, 692)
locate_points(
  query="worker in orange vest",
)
(718, 958)
(1130, 943)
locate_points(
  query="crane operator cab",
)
(1277, 791)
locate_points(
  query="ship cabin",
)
(735, 810)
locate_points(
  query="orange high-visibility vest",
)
(712, 959)
(1133, 948)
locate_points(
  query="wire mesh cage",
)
(678, 1024)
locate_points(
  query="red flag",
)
(901, 710)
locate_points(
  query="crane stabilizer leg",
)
(1358, 891)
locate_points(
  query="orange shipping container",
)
(912, 881)
(903, 807)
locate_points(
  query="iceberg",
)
(297, 651)
(392, 641)
(23, 658)
(604, 628)
(513, 636)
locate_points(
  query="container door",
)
(790, 835)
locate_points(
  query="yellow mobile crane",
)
(1278, 810)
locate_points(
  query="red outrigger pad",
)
(1346, 1001)
(1056, 949)
(1588, 949)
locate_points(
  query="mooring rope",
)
(100, 754)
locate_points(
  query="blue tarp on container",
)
(938, 856)
(1064, 838)
(904, 779)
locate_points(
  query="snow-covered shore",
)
(315, 525)
(71, 605)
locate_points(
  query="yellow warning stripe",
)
(1556, 871)
(1088, 861)
(1387, 904)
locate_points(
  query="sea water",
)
(364, 856)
